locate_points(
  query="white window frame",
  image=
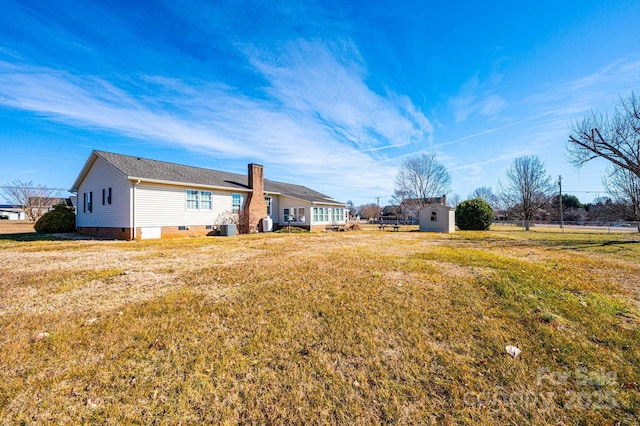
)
(268, 200)
(204, 200)
(236, 207)
(321, 214)
(294, 214)
(192, 192)
(337, 215)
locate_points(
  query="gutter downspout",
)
(133, 209)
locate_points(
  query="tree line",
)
(528, 191)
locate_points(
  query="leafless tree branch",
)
(616, 139)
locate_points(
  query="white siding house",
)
(11, 212)
(128, 197)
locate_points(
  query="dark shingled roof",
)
(142, 168)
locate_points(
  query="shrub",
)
(475, 214)
(60, 219)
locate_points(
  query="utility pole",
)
(561, 216)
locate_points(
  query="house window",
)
(192, 199)
(206, 202)
(267, 201)
(434, 216)
(199, 200)
(337, 215)
(321, 214)
(106, 196)
(294, 214)
(236, 201)
(88, 202)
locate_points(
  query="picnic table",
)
(396, 227)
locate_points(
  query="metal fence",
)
(582, 224)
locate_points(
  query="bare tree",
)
(487, 194)
(420, 177)
(34, 199)
(369, 211)
(616, 139)
(603, 210)
(351, 209)
(528, 187)
(624, 187)
(454, 200)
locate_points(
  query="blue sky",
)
(328, 94)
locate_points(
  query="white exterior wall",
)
(103, 176)
(275, 208)
(341, 220)
(287, 203)
(166, 205)
(14, 215)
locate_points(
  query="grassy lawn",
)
(353, 327)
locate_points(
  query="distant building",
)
(12, 212)
(42, 205)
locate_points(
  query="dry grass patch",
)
(364, 327)
(11, 227)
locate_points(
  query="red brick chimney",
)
(255, 209)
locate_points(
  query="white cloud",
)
(492, 105)
(326, 81)
(319, 120)
(464, 104)
(597, 90)
(476, 98)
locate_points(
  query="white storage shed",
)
(437, 218)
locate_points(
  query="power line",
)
(33, 187)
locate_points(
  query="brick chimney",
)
(255, 209)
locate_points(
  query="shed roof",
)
(153, 170)
(437, 206)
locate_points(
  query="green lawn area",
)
(361, 327)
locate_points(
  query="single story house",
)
(12, 212)
(42, 205)
(437, 218)
(133, 198)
